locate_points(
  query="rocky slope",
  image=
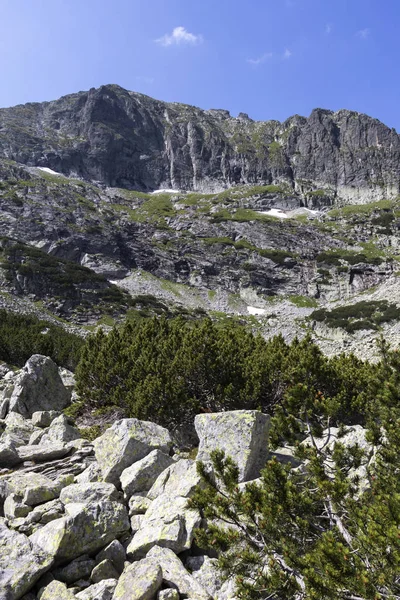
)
(108, 519)
(280, 242)
(125, 139)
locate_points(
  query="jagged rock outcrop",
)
(126, 139)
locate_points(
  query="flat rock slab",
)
(140, 581)
(42, 453)
(21, 563)
(126, 442)
(241, 434)
(83, 493)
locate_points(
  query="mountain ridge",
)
(127, 139)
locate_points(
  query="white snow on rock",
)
(166, 191)
(273, 212)
(47, 170)
(253, 310)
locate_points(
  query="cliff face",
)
(125, 139)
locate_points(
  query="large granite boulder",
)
(179, 479)
(56, 590)
(140, 476)
(38, 387)
(242, 434)
(87, 529)
(167, 523)
(83, 493)
(126, 442)
(60, 430)
(139, 581)
(21, 563)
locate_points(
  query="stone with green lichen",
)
(56, 590)
(138, 505)
(142, 474)
(114, 552)
(15, 508)
(99, 591)
(83, 493)
(242, 434)
(176, 576)
(180, 479)
(38, 387)
(169, 594)
(21, 563)
(168, 523)
(126, 442)
(34, 488)
(86, 529)
(139, 581)
(80, 568)
(104, 570)
(60, 430)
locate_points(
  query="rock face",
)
(38, 388)
(242, 434)
(126, 139)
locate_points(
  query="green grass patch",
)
(362, 315)
(303, 301)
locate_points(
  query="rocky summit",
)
(126, 139)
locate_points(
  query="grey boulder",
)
(84, 493)
(21, 563)
(168, 523)
(176, 576)
(180, 479)
(56, 590)
(38, 387)
(115, 552)
(99, 591)
(140, 476)
(242, 434)
(139, 581)
(85, 530)
(126, 442)
(60, 430)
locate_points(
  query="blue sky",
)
(269, 58)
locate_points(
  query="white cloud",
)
(287, 54)
(178, 37)
(261, 59)
(363, 33)
(328, 28)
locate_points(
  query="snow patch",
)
(47, 170)
(166, 191)
(273, 212)
(253, 310)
